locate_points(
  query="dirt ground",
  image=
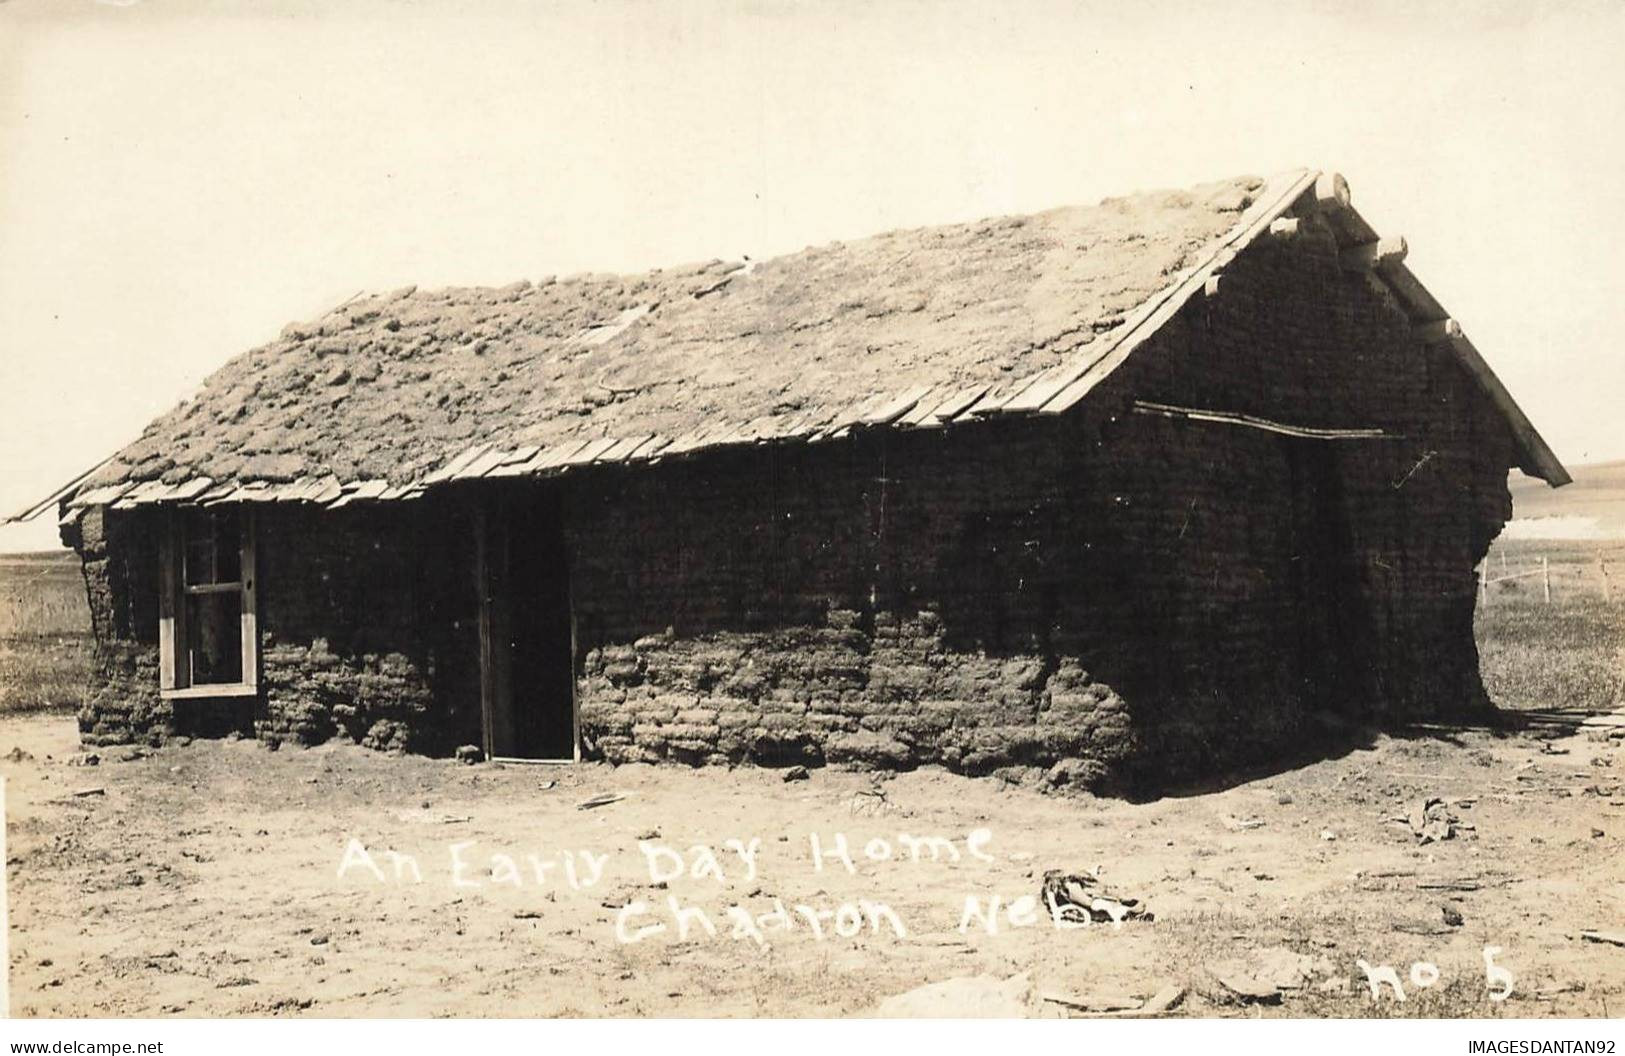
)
(204, 880)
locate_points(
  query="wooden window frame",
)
(174, 671)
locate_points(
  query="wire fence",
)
(1593, 578)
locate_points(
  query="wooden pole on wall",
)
(482, 586)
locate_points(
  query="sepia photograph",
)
(804, 509)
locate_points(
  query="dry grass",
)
(44, 673)
(45, 645)
(42, 594)
(1569, 653)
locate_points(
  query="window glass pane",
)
(214, 642)
(228, 554)
(199, 559)
(213, 551)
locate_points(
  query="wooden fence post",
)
(1484, 584)
(1546, 577)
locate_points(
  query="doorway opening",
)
(528, 682)
(1335, 634)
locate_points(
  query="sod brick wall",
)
(1109, 594)
(368, 629)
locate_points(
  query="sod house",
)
(1126, 491)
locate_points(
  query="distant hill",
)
(1591, 507)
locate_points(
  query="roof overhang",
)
(65, 492)
(1279, 203)
(1327, 193)
(1432, 323)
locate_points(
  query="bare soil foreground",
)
(203, 880)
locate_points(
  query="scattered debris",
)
(1232, 984)
(425, 816)
(290, 1004)
(1165, 1000)
(1611, 938)
(82, 792)
(468, 754)
(1235, 824)
(796, 773)
(17, 755)
(1430, 821)
(1452, 915)
(527, 914)
(1446, 883)
(870, 801)
(1075, 894)
(1092, 1002)
(1118, 1007)
(1422, 927)
(603, 799)
(1262, 976)
(1288, 969)
(649, 834)
(1328, 834)
(84, 759)
(965, 997)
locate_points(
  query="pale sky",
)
(179, 179)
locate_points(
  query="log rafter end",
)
(1332, 191)
(1438, 331)
(1385, 251)
(1284, 227)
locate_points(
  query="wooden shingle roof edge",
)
(1273, 213)
(1383, 259)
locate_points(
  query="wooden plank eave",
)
(65, 491)
(1537, 459)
